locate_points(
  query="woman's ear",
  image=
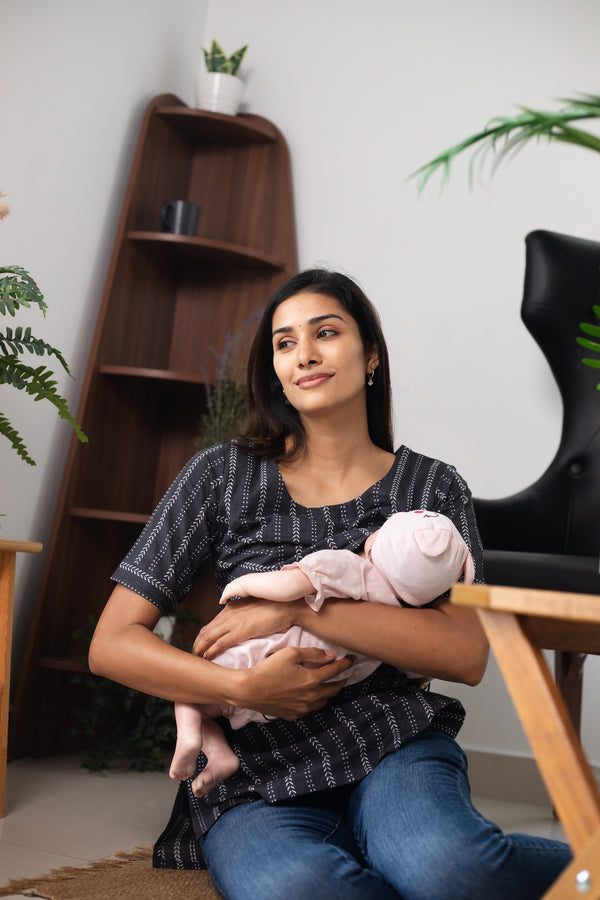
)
(372, 359)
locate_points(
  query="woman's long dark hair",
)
(271, 421)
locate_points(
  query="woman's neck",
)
(334, 467)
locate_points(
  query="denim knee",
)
(416, 825)
(288, 852)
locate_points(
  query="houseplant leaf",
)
(19, 290)
(504, 135)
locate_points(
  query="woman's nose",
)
(307, 354)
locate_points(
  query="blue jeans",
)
(408, 831)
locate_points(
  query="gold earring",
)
(370, 379)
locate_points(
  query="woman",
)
(355, 791)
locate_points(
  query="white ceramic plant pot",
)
(219, 92)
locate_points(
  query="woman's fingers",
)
(241, 620)
(294, 681)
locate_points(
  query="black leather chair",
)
(548, 535)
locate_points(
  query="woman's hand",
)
(244, 619)
(291, 682)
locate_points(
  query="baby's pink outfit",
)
(416, 556)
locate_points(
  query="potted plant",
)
(17, 290)
(219, 88)
(503, 135)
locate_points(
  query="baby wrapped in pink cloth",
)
(414, 557)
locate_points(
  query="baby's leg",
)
(189, 741)
(222, 761)
(285, 584)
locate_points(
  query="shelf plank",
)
(110, 515)
(202, 125)
(215, 251)
(165, 375)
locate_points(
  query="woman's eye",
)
(284, 344)
(326, 332)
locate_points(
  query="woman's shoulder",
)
(229, 460)
(429, 472)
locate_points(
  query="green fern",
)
(15, 438)
(505, 135)
(17, 290)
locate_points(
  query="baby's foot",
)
(215, 771)
(183, 764)
(221, 760)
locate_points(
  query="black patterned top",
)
(234, 509)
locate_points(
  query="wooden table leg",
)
(547, 724)
(8, 555)
(582, 878)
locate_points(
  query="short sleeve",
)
(166, 560)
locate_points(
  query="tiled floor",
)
(57, 814)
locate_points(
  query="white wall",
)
(364, 93)
(75, 79)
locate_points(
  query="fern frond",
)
(504, 135)
(21, 340)
(39, 384)
(17, 289)
(14, 437)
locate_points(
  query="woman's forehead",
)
(302, 308)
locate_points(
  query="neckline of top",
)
(390, 472)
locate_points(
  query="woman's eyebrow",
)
(285, 329)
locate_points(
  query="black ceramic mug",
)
(180, 217)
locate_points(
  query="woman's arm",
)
(125, 649)
(441, 641)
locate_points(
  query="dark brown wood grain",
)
(169, 303)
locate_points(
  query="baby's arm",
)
(285, 585)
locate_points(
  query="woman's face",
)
(318, 354)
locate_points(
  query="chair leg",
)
(568, 671)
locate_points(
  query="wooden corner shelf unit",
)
(169, 303)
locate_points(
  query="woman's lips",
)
(312, 380)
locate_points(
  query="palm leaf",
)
(594, 331)
(505, 135)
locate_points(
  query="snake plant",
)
(505, 135)
(217, 60)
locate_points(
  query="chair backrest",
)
(560, 512)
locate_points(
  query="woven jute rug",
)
(127, 876)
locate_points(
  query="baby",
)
(414, 557)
